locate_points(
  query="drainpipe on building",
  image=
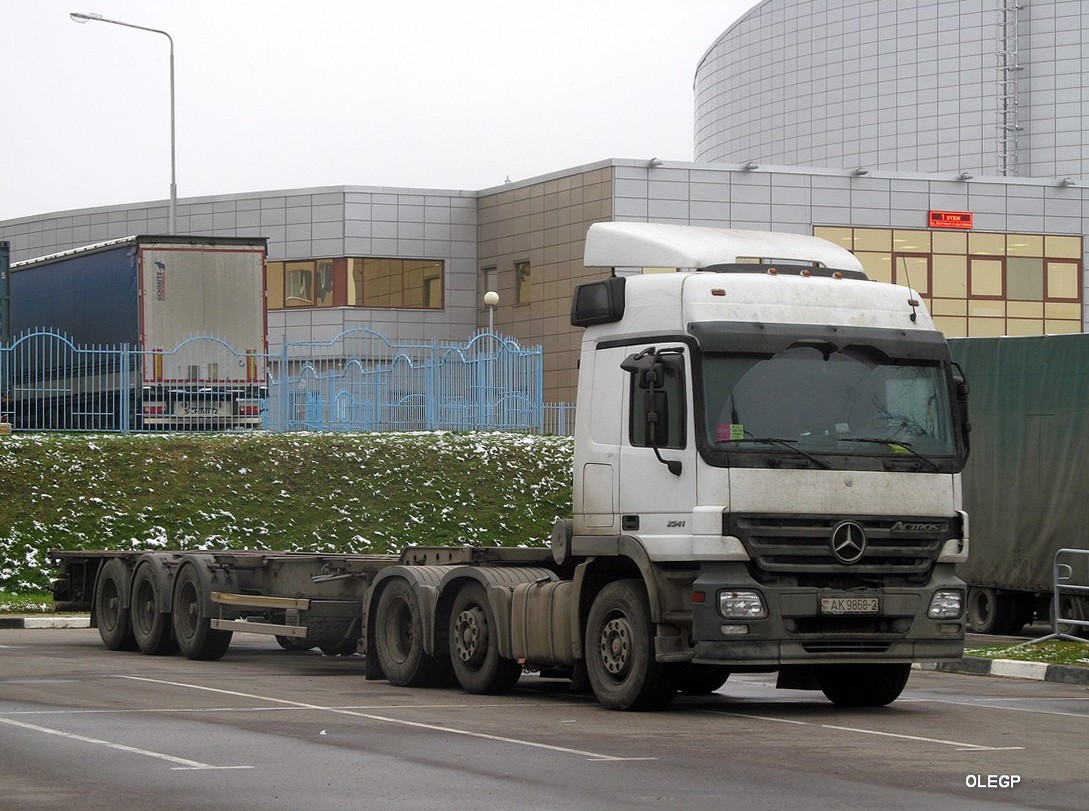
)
(5, 294)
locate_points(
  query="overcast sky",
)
(273, 94)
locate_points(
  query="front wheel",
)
(474, 645)
(863, 685)
(620, 659)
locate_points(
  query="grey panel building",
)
(989, 87)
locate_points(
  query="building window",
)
(299, 284)
(523, 283)
(977, 283)
(356, 282)
(488, 282)
(408, 284)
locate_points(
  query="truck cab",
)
(778, 440)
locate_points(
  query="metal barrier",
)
(1071, 595)
(358, 381)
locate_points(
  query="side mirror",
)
(650, 375)
(960, 393)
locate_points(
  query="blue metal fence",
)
(358, 381)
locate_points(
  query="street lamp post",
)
(491, 299)
(87, 16)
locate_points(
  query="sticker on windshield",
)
(729, 432)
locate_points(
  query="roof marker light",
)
(717, 291)
(773, 271)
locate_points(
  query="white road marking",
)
(593, 756)
(988, 705)
(967, 747)
(183, 764)
(962, 747)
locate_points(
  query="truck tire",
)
(474, 645)
(150, 626)
(863, 685)
(701, 680)
(1074, 608)
(111, 606)
(620, 659)
(398, 637)
(192, 625)
(992, 612)
(293, 644)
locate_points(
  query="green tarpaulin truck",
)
(1026, 486)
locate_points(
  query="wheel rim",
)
(471, 636)
(399, 631)
(187, 617)
(615, 646)
(143, 607)
(111, 605)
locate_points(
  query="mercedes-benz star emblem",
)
(848, 542)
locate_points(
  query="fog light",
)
(734, 630)
(741, 605)
(946, 605)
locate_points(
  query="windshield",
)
(813, 399)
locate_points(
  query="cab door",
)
(657, 453)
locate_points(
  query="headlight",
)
(741, 605)
(946, 605)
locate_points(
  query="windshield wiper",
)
(789, 444)
(892, 445)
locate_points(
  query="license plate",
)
(850, 605)
(198, 409)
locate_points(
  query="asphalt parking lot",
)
(85, 727)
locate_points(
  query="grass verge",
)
(1052, 652)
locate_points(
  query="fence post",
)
(285, 424)
(125, 390)
(431, 386)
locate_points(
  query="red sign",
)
(950, 219)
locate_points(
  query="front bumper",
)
(796, 632)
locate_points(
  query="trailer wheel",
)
(398, 637)
(111, 611)
(474, 645)
(991, 612)
(863, 685)
(620, 654)
(1074, 608)
(192, 626)
(150, 627)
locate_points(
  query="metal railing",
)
(357, 381)
(1070, 600)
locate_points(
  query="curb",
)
(46, 621)
(1013, 669)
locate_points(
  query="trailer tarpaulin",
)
(1026, 486)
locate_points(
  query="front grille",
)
(846, 647)
(793, 545)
